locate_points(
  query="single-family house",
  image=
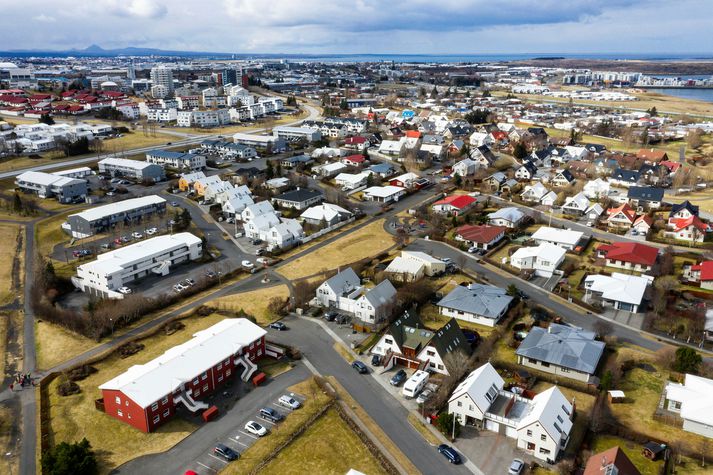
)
(596, 189)
(690, 229)
(476, 303)
(619, 291)
(594, 212)
(612, 461)
(299, 199)
(354, 160)
(645, 197)
(480, 236)
(543, 260)
(549, 199)
(534, 193)
(692, 402)
(642, 225)
(562, 350)
(621, 217)
(327, 214)
(483, 156)
(455, 205)
(576, 205)
(407, 180)
(351, 181)
(384, 194)
(465, 167)
(510, 217)
(701, 273)
(495, 181)
(432, 266)
(652, 155)
(629, 256)
(564, 238)
(526, 171)
(562, 178)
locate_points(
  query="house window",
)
(440, 366)
(166, 413)
(544, 451)
(154, 406)
(543, 437)
(117, 400)
(565, 370)
(430, 353)
(559, 418)
(119, 413)
(156, 419)
(529, 433)
(566, 411)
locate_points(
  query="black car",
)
(226, 452)
(342, 319)
(360, 367)
(449, 453)
(375, 360)
(278, 326)
(398, 378)
(330, 316)
(269, 414)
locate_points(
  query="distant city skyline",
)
(363, 26)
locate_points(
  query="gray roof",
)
(345, 280)
(564, 346)
(299, 195)
(381, 294)
(484, 300)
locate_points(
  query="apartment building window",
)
(166, 413)
(117, 400)
(204, 376)
(154, 406)
(220, 365)
(164, 401)
(205, 388)
(195, 382)
(529, 433)
(156, 419)
(119, 413)
(220, 378)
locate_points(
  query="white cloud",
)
(138, 8)
(44, 18)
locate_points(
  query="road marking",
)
(280, 406)
(218, 459)
(249, 435)
(310, 366)
(206, 466)
(267, 422)
(238, 442)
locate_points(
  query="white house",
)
(432, 266)
(620, 291)
(596, 189)
(534, 193)
(543, 259)
(345, 292)
(576, 205)
(565, 238)
(509, 217)
(465, 167)
(473, 397)
(351, 181)
(476, 303)
(384, 194)
(405, 270)
(693, 403)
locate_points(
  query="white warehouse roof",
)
(125, 162)
(100, 212)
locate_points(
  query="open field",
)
(253, 303)
(54, 344)
(664, 104)
(259, 451)
(9, 234)
(49, 233)
(10, 460)
(366, 242)
(329, 446)
(73, 417)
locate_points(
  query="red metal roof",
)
(626, 209)
(457, 201)
(681, 223)
(630, 252)
(355, 158)
(480, 234)
(706, 268)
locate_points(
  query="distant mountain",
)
(96, 50)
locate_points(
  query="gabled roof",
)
(598, 463)
(706, 270)
(625, 209)
(681, 223)
(449, 339)
(511, 214)
(564, 346)
(400, 328)
(480, 233)
(457, 201)
(651, 154)
(344, 281)
(645, 193)
(695, 398)
(686, 205)
(552, 411)
(299, 195)
(484, 300)
(618, 287)
(478, 384)
(629, 176)
(382, 294)
(633, 252)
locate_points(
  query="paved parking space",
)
(239, 439)
(491, 452)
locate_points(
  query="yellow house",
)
(201, 184)
(188, 179)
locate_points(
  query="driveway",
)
(490, 451)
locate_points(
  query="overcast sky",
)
(363, 26)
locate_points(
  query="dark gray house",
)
(300, 198)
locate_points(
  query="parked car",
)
(106, 245)
(125, 238)
(398, 378)
(210, 274)
(124, 290)
(226, 452)
(278, 326)
(375, 360)
(289, 401)
(270, 414)
(255, 429)
(179, 287)
(174, 203)
(255, 242)
(137, 235)
(516, 467)
(262, 261)
(259, 252)
(360, 367)
(151, 231)
(449, 452)
(118, 241)
(247, 264)
(423, 397)
(330, 316)
(473, 249)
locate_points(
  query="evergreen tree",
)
(76, 458)
(270, 171)
(46, 119)
(519, 150)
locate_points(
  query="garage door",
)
(511, 432)
(626, 306)
(493, 426)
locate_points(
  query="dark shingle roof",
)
(645, 193)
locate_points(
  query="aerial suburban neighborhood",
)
(349, 238)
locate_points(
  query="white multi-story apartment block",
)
(163, 76)
(112, 270)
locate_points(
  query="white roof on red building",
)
(148, 383)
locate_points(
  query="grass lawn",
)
(249, 459)
(632, 450)
(9, 233)
(425, 432)
(74, 417)
(366, 242)
(49, 233)
(8, 446)
(254, 303)
(343, 352)
(643, 392)
(55, 344)
(329, 446)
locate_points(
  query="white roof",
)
(72, 171)
(546, 407)
(100, 212)
(39, 178)
(579, 201)
(477, 385)
(617, 393)
(619, 287)
(545, 251)
(148, 383)
(383, 191)
(325, 211)
(695, 398)
(352, 178)
(191, 177)
(127, 163)
(402, 265)
(333, 167)
(555, 235)
(406, 177)
(119, 259)
(421, 256)
(390, 145)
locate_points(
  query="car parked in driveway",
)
(247, 264)
(278, 326)
(449, 453)
(516, 467)
(226, 452)
(376, 360)
(360, 367)
(256, 429)
(136, 235)
(289, 401)
(398, 378)
(270, 414)
(330, 316)
(423, 397)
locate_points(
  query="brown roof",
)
(651, 154)
(480, 234)
(614, 456)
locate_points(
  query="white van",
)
(415, 384)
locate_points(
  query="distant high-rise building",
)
(163, 76)
(131, 71)
(231, 76)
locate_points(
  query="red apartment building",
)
(146, 396)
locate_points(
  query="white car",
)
(179, 288)
(289, 401)
(151, 231)
(473, 249)
(136, 235)
(124, 290)
(248, 264)
(262, 261)
(255, 428)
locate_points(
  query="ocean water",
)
(705, 95)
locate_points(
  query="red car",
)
(117, 241)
